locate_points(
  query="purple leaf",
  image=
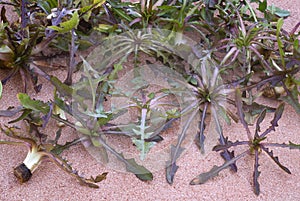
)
(276, 160)
(256, 174)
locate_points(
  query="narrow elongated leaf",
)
(290, 145)
(64, 165)
(173, 167)
(259, 120)
(239, 106)
(131, 166)
(229, 144)
(274, 122)
(204, 177)
(293, 146)
(278, 114)
(25, 113)
(10, 111)
(47, 5)
(225, 154)
(276, 77)
(276, 160)
(58, 149)
(256, 174)
(176, 151)
(200, 136)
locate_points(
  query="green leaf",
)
(262, 6)
(106, 28)
(151, 95)
(278, 11)
(34, 105)
(46, 6)
(104, 120)
(87, 7)
(293, 145)
(140, 171)
(122, 14)
(67, 26)
(62, 88)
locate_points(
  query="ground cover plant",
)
(240, 55)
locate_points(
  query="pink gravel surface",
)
(51, 183)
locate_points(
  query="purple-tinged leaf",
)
(72, 63)
(228, 144)
(256, 174)
(200, 135)
(47, 116)
(293, 146)
(256, 108)
(275, 78)
(10, 112)
(177, 150)
(24, 14)
(239, 106)
(274, 122)
(156, 138)
(278, 114)
(204, 177)
(259, 121)
(226, 154)
(25, 113)
(276, 160)
(172, 167)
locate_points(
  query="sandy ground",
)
(50, 183)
